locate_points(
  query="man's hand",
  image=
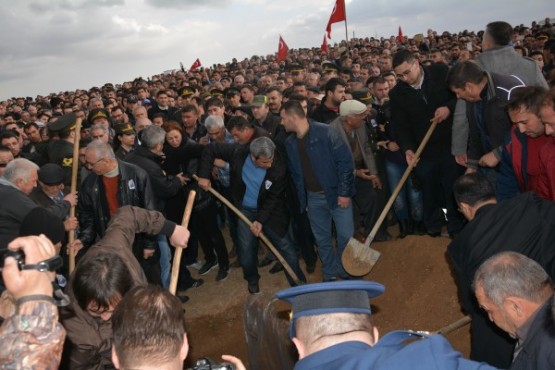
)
(461, 159)
(71, 223)
(220, 163)
(392, 146)
(29, 282)
(409, 155)
(256, 228)
(364, 174)
(237, 363)
(376, 182)
(441, 114)
(76, 245)
(182, 179)
(488, 160)
(204, 183)
(180, 237)
(72, 198)
(343, 202)
(148, 252)
(203, 140)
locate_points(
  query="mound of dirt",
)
(420, 294)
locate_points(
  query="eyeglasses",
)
(91, 165)
(405, 74)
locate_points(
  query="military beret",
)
(216, 92)
(124, 128)
(97, 113)
(329, 66)
(65, 122)
(330, 297)
(363, 95)
(51, 174)
(296, 68)
(186, 91)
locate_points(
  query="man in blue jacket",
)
(322, 168)
(332, 328)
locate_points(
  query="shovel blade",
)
(359, 259)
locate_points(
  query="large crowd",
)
(309, 149)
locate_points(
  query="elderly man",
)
(110, 185)
(517, 295)
(332, 328)
(524, 224)
(350, 125)
(148, 156)
(322, 169)
(18, 181)
(258, 183)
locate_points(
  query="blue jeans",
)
(247, 250)
(165, 260)
(408, 196)
(321, 217)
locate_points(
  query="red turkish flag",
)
(324, 46)
(400, 36)
(282, 50)
(195, 65)
(337, 15)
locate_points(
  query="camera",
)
(17, 254)
(208, 364)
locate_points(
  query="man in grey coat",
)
(350, 125)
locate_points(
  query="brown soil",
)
(420, 295)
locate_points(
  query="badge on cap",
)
(131, 184)
(67, 162)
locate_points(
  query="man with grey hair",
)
(517, 294)
(219, 134)
(110, 185)
(148, 156)
(258, 182)
(17, 182)
(100, 132)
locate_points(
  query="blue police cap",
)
(331, 297)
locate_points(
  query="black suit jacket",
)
(412, 111)
(271, 210)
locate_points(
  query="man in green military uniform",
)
(60, 151)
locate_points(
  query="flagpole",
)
(346, 31)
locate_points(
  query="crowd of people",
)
(308, 149)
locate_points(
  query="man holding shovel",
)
(420, 98)
(258, 182)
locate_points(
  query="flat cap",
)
(51, 174)
(351, 107)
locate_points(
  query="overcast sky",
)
(55, 45)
